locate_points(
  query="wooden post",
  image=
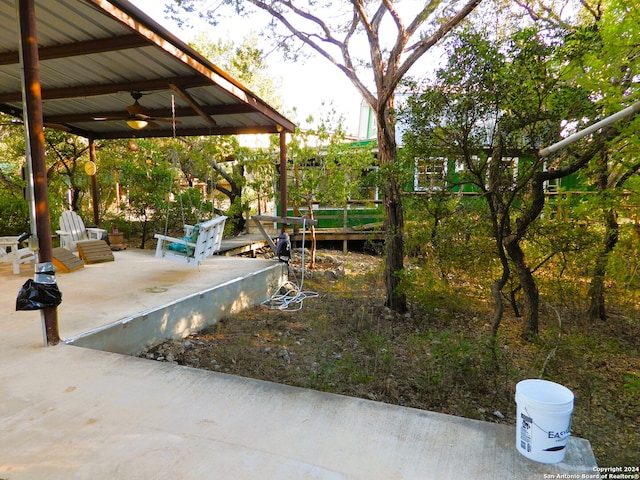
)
(34, 128)
(345, 225)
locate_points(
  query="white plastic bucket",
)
(543, 420)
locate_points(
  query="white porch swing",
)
(200, 241)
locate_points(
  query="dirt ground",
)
(337, 336)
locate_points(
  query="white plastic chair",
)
(12, 252)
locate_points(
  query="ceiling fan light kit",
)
(137, 124)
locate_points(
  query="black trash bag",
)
(37, 296)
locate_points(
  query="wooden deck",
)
(250, 243)
(242, 244)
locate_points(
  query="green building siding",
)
(445, 177)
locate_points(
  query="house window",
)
(551, 186)
(430, 174)
(368, 185)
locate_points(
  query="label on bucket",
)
(525, 432)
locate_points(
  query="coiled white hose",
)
(290, 296)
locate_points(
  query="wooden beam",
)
(286, 220)
(158, 132)
(266, 236)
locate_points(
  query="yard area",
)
(436, 357)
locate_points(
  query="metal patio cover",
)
(95, 53)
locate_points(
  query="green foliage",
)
(624, 262)
(631, 383)
(14, 214)
(134, 186)
(68, 184)
(452, 231)
(245, 62)
(609, 45)
(431, 292)
(451, 358)
(506, 95)
(326, 169)
(454, 362)
(379, 352)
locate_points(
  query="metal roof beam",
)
(232, 109)
(193, 104)
(109, 88)
(87, 47)
(184, 132)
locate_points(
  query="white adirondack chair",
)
(72, 230)
(200, 242)
(12, 252)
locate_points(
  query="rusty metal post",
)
(95, 198)
(283, 176)
(35, 135)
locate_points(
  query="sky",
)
(305, 85)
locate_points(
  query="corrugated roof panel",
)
(62, 21)
(9, 79)
(114, 67)
(9, 26)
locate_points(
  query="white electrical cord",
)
(292, 296)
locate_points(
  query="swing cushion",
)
(183, 248)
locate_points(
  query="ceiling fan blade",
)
(58, 126)
(55, 126)
(166, 120)
(110, 118)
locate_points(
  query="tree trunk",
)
(498, 306)
(529, 289)
(394, 248)
(500, 223)
(496, 294)
(596, 290)
(75, 198)
(396, 299)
